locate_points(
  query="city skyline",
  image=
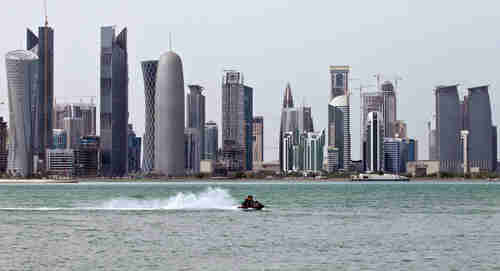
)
(445, 54)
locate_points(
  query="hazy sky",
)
(272, 42)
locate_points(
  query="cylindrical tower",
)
(22, 80)
(149, 69)
(169, 116)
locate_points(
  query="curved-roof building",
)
(22, 81)
(169, 116)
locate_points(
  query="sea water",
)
(197, 226)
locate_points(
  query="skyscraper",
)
(3, 145)
(86, 111)
(374, 142)
(22, 82)
(114, 102)
(169, 116)
(339, 115)
(395, 155)
(389, 113)
(134, 150)
(370, 102)
(43, 97)
(149, 69)
(237, 115)
(258, 139)
(196, 120)
(479, 124)
(448, 128)
(211, 141)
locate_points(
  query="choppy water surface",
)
(196, 226)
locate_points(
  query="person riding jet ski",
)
(249, 203)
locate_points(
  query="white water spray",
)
(212, 198)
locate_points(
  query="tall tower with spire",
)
(288, 98)
(285, 118)
(43, 46)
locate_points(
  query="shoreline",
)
(226, 180)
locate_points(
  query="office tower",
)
(60, 139)
(22, 82)
(333, 159)
(134, 150)
(89, 156)
(287, 103)
(479, 124)
(169, 116)
(192, 140)
(370, 102)
(237, 115)
(258, 139)
(312, 146)
(448, 128)
(73, 128)
(339, 115)
(196, 120)
(412, 145)
(149, 69)
(395, 155)
(494, 153)
(85, 111)
(43, 97)
(399, 129)
(3, 145)
(432, 142)
(211, 141)
(114, 102)
(374, 142)
(287, 152)
(389, 113)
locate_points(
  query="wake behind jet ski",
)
(250, 204)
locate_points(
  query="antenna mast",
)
(45, 11)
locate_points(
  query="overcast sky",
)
(425, 42)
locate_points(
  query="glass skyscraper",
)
(114, 102)
(149, 69)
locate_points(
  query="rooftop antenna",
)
(45, 11)
(170, 40)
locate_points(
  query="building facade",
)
(237, 116)
(395, 155)
(374, 158)
(22, 81)
(448, 127)
(114, 101)
(149, 69)
(134, 150)
(390, 108)
(258, 139)
(4, 152)
(43, 97)
(196, 120)
(339, 115)
(211, 138)
(85, 111)
(192, 147)
(169, 116)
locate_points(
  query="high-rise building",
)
(339, 115)
(73, 128)
(89, 156)
(43, 97)
(287, 104)
(312, 146)
(333, 159)
(192, 140)
(258, 139)
(479, 124)
(370, 102)
(237, 115)
(134, 150)
(211, 141)
(374, 142)
(149, 69)
(22, 81)
(114, 101)
(85, 111)
(3, 145)
(196, 120)
(395, 155)
(412, 145)
(390, 112)
(169, 116)
(432, 138)
(448, 128)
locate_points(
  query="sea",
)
(195, 225)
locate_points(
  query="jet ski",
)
(250, 205)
